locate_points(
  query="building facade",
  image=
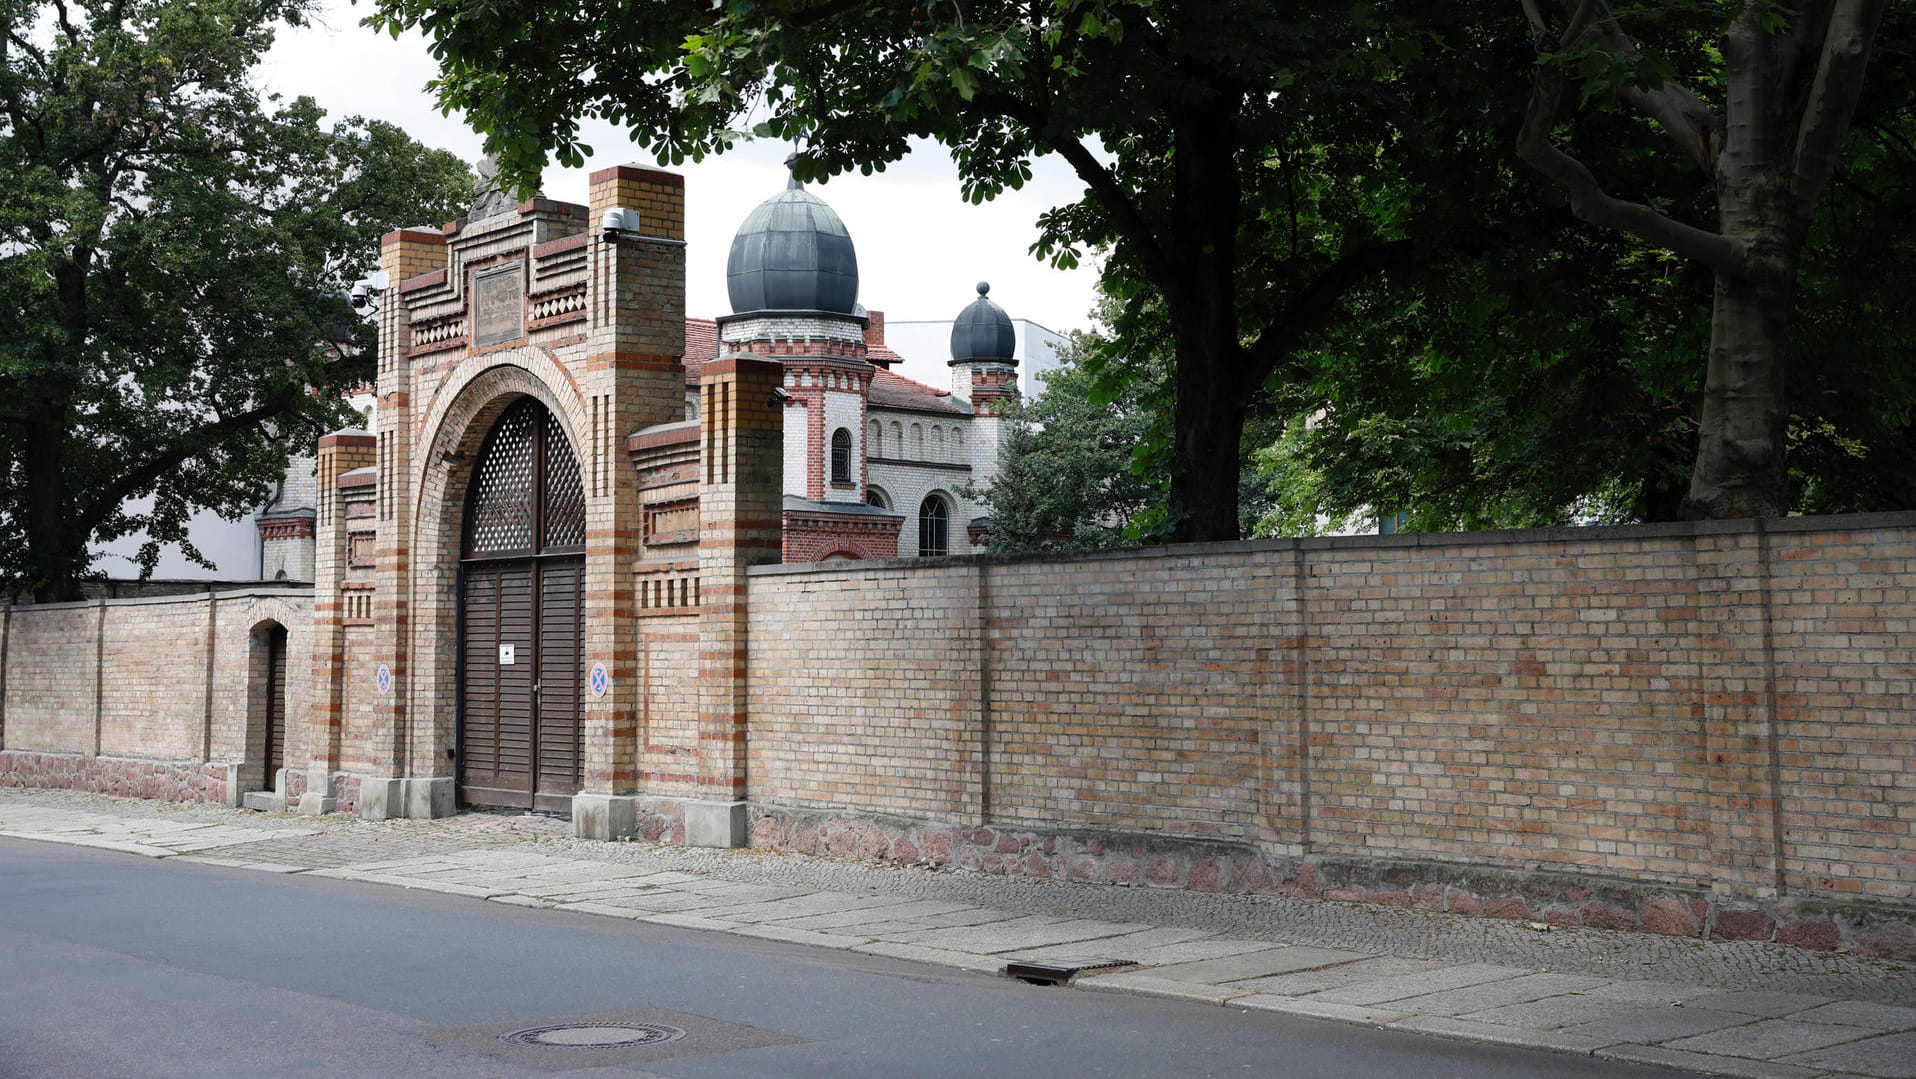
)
(566, 479)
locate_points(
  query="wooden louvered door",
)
(561, 605)
(275, 703)
(521, 618)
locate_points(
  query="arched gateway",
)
(522, 574)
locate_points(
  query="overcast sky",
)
(921, 248)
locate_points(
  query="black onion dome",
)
(983, 332)
(792, 254)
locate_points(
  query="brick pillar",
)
(338, 455)
(403, 254)
(741, 503)
(633, 377)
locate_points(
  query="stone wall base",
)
(124, 777)
(1878, 928)
(345, 789)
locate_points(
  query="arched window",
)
(934, 527)
(841, 456)
(875, 496)
(897, 439)
(937, 443)
(917, 442)
(875, 440)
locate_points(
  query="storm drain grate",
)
(1060, 972)
(599, 1035)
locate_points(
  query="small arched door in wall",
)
(275, 703)
(522, 586)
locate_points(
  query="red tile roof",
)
(897, 391)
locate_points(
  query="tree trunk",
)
(1208, 436)
(53, 560)
(1208, 420)
(1740, 443)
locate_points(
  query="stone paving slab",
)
(1260, 964)
(1769, 1039)
(1363, 970)
(1414, 985)
(1554, 1040)
(803, 906)
(1487, 995)
(1759, 1003)
(1891, 1057)
(1652, 1025)
(1861, 1013)
(1664, 1056)
(1651, 994)
(942, 957)
(1311, 1009)
(1155, 948)
(1018, 934)
(1571, 1009)
(918, 910)
(1151, 984)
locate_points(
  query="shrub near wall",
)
(1694, 729)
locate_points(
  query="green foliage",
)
(1069, 473)
(172, 277)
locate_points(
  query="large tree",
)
(1760, 110)
(174, 254)
(1231, 150)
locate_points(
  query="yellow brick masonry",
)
(1624, 702)
(140, 689)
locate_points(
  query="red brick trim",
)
(363, 441)
(424, 280)
(555, 247)
(413, 236)
(636, 172)
(739, 364)
(651, 440)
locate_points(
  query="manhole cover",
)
(593, 1035)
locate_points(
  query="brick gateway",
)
(1694, 729)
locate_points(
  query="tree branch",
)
(1693, 128)
(109, 498)
(1317, 303)
(1587, 198)
(1156, 262)
(1832, 97)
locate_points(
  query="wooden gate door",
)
(522, 618)
(275, 703)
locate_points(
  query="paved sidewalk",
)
(1726, 1008)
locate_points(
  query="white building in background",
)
(925, 345)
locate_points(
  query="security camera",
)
(778, 397)
(367, 289)
(617, 222)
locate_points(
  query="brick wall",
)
(147, 697)
(1715, 715)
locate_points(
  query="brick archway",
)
(456, 424)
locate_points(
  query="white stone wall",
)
(797, 424)
(287, 560)
(845, 410)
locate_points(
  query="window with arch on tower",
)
(841, 456)
(875, 439)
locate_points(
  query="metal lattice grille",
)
(564, 491)
(502, 494)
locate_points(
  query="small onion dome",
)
(792, 254)
(983, 332)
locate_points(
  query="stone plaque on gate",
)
(498, 305)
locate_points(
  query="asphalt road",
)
(113, 965)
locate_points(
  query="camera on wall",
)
(367, 289)
(617, 222)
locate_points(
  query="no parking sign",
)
(599, 681)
